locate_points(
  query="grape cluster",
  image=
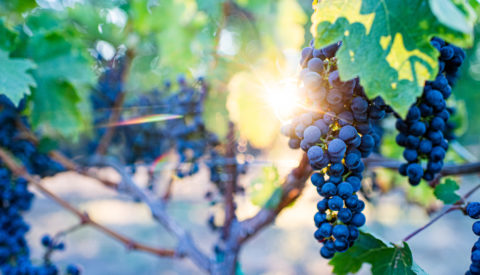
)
(473, 211)
(217, 165)
(336, 131)
(426, 128)
(145, 141)
(51, 243)
(103, 98)
(15, 198)
(189, 134)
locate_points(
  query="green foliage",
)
(48, 55)
(465, 89)
(377, 38)
(266, 191)
(45, 145)
(8, 37)
(15, 81)
(55, 107)
(457, 15)
(446, 191)
(62, 73)
(385, 259)
(216, 115)
(16, 6)
(211, 7)
(422, 194)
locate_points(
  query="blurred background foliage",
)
(239, 46)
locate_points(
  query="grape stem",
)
(375, 161)
(56, 238)
(83, 216)
(459, 205)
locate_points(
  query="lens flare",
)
(142, 119)
(158, 163)
(283, 97)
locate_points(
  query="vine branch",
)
(377, 161)
(456, 206)
(291, 189)
(186, 247)
(83, 216)
(231, 182)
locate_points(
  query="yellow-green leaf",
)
(391, 37)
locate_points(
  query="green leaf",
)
(460, 117)
(211, 7)
(46, 145)
(422, 194)
(450, 15)
(274, 199)
(62, 74)
(352, 260)
(388, 36)
(18, 6)
(55, 107)
(392, 260)
(265, 190)
(15, 82)
(7, 37)
(446, 191)
(71, 67)
(385, 259)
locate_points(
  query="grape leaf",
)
(446, 191)
(15, 81)
(18, 6)
(352, 260)
(384, 258)
(7, 41)
(459, 17)
(213, 8)
(62, 73)
(55, 107)
(266, 191)
(387, 36)
(69, 66)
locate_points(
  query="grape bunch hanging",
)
(191, 137)
(336, 130)
(15, 198)
(145, 142)
(426, 129)
(473, 211)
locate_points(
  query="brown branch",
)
(84, 218)
(186, 246)
(377, 161)
(291, 190)
(72, 166)
(456, 206)
(168, 190)
(115, 117)
(231, 182)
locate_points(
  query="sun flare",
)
(283, 97)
